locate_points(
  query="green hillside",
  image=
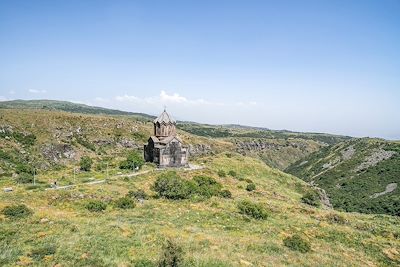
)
(66, 127)
(359, 175)
(65, 106)
(269, 226)
(54, 140)
(231, 210)
(278, 149)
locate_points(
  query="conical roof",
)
(165, 118)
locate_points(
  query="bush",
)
(297, 243)
(311, 198)
(335, 218)
(171, 256)
(23, 168)
(86, 163)
(253, 210)
(139, 194)
(27, 140)
(221, 173)
(84, 142)
(251, 187)
(207, 186)
(17, 211)
(134, 160)
(95, 206)
(225, 193)
(25, 178)
(232, 173)
(125, 203)
(40, 252)
(170, 185)
(144, 263)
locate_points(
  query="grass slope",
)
(211, 232)
(56, 140)
(278, 149)
(352, 172)
(65, 106)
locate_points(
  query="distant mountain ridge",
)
(66, 106)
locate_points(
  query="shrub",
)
(225, 193)
(25, 178)
(251, 187)
(221, 173)
(335, 218)
(39, 253)
(23, 168)
(125, 203)
(253, 210)
(17, 211)
(84, 142)
(207, 186)
(232, 173)
(297, 243)
(170, 185)
(311, 198)
(27, 140)
(144, 263)
(134, 160)
(139, 194)
(86, 163)
(95, 205)
(171, 256)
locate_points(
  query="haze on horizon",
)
(313, 66)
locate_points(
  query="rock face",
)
(128, 144)
(57, 152)
(389, 189)
(260, 145)
(377, 156)
(199, 149)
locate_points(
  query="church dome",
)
(165, 118)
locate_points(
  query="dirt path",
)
(190, 168)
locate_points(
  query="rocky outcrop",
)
(199, 149)
(125, 143)
(260, 145)
(57, 152)
(389, 189)
(377, 156)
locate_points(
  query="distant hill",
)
(66, 106)
(359, 175)
(277, 148)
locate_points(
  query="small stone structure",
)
(165, 148)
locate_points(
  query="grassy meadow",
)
(209, 231)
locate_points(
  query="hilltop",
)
(66, 106)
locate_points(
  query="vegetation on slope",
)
(66, 106)
(359, 175)
(273, 227)
(36, 140)
(278, 149)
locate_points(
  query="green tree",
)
(133, 160)
(170, 185)
(86, 163)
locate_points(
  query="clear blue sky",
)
(324, 66)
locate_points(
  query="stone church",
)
(165, 148)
